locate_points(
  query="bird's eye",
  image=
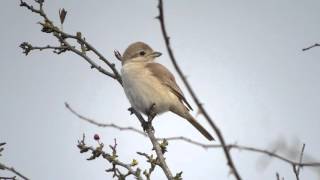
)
(142, 53)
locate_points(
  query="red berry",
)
(96, 137)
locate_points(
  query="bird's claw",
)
(131, 110)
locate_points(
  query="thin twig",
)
(89, 120)
(8, 178)
(13, 170)
(192, 93)
(277, 176)
(27, 48)
(112, 158)
(310, 47)
(297, 167)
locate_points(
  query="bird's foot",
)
(151, 113)
(145, 125)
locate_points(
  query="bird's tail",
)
(200, 128)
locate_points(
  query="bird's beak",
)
(156, 54)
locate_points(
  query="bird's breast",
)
(143, 89)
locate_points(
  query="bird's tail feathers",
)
(200, 128)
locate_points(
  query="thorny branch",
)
(11, 169)
(112, 158)
(27, 48)
(156, 146)
(49, 27)
(203, 111)
(150, 133)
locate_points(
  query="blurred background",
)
(243, 59)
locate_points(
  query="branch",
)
(11, 169)
(112, 158)
(27, 48)
(297, 167)
(49, 27)
(91, 121)
(310, 47)
(192, 93)
(149, 130)
(196, 143)
(156, 146)
(7, 178)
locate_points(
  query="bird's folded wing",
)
(166, 78)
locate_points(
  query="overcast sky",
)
(243, 58)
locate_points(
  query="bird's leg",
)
(151, 113)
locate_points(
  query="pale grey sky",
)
(243, 58)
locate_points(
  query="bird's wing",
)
(166, 78)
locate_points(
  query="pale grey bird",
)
(147, 83)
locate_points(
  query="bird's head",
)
(139, 52)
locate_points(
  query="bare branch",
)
(192, 93)
(156, 146)
(112, 158)
(310, 47)
(202, 145)
(49, 27)
(149, 130)
(7, 178)
(102, 124)
(11, 169)
(27, 48)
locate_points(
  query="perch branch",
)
(156, 146)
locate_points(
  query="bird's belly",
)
(143, 90)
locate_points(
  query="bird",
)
(149, 84)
